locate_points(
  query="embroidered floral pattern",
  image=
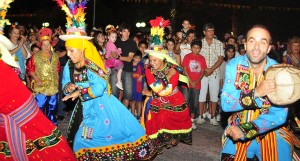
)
(143, 153)
(4, 149)
(139, 150)
(242, 77)
(249, 129)
(94, 68)
(39, 143)
(246, 101)
(30, 144)
(169, 107)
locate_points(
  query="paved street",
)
(206, 144)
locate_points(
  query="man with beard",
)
(255, 129)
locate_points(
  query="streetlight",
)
(140, 24)
(45, 24)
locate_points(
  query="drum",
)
(287, 79)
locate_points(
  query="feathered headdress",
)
(157, 30)
(75, 18)
(156, 45)
(4, 5)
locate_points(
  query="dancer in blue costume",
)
(256, 126)
(108, 130)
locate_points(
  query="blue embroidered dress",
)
(108, 130)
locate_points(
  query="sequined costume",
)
(108, 130)
(48, 71)
(168, 120)
(261, 122)
(25, 133)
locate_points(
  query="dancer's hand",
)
(234, 132)
(265, 87)
(73, 95)
(146, 92)
(71, 87)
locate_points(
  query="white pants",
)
(213, 82)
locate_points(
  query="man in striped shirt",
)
(212, 50)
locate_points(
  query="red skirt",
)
(43, 141)
(169, 119)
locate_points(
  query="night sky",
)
(283, 23)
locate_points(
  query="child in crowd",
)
(138, 82)
(110, 61)
(185, 27)
(194, 65)
(178, 37)
(34, 49)
(142, 46)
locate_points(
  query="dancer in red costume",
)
(25, 133)
(168, 120)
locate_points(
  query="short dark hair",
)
(172, 40)
(230, 37)
(241, 46)
(196, 42)
(208, 26)
(262, 27)
(34, 46)
(138, 53)
(190, 32)
(124, 26)
(228, 47)
(143, 42)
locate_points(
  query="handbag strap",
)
(295, 59)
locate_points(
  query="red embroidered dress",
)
(169, 118)
(25, 133)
